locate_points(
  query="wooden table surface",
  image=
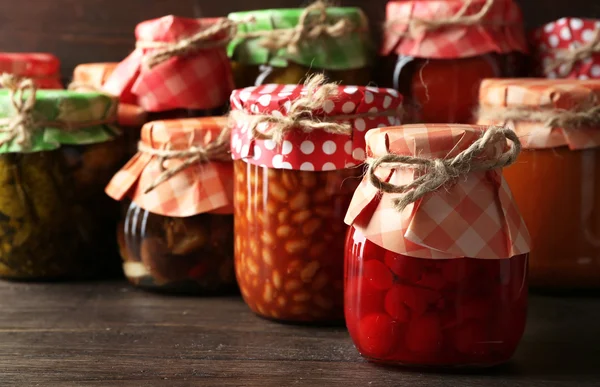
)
(108, 334)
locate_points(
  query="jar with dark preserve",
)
(567, 48)
(556, 182)
(437, 59)
(294, 177)
(177, 232)
(91, 77)
(172, 74)
(269, 47)
(436, 264)
(58, 150)
(42, 68)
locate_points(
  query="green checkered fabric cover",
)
(68, 107)
(351, 51)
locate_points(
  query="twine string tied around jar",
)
(217, 150)
(202, 40)
(301, 114)
(435, 173)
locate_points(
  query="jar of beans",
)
(296, 153)
(436, 258)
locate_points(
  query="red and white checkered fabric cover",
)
(200, 80)
(474, 217)
(500, 31)
(42, 68)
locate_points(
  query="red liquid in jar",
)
(433, 312)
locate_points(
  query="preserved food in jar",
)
(444, 283)
(42, 68)
(556, 182)
(567, 48)
(334, 41)
(179, 68)
(177, 233)
(292, 185)
(54, 215)
(91, 77)
(438, 73)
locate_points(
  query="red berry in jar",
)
(407, 268)
(377, 335)
(394, 305)
(378, 275)
(424, 334)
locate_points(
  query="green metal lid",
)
(49, 118)
(351, 49)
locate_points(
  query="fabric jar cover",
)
(198, 80)
(91, 116)
(562, 37)
(500, 30)
(349, 51)
(196, 189)
(92, 76)
(42, 68)
(318, 150)
(474, 217)
(558, 95)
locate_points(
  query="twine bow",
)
(566, 59)
(301, 114)
(418, 25)
(202, 40)
(436, 173)
(22, 124)
(217, 150)
(586, 115)
(308, 28)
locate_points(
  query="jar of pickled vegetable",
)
(556, 182)
(58, 149)
(91, 77)
(438, 51)
(436, 255)
(296, 153)
(568, 48)
(179, 68)
(283, 46)
(42, 68)
(177, 231)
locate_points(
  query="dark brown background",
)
(80, 31)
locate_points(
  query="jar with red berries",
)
(176, 235)
(296, 153)
(436, 255)
(436, 52)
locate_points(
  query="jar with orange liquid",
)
(556, 181)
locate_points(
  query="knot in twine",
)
(22, 124)
(301, 114)
(436, 173)
(308, 28)
(217, 150)
(416, 26)
(566, 59)
(586, 115)
(202, 40)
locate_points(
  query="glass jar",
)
(440, 79)
(412, 295)
(556, 182)
(345, 59)
(556, 42)
(433, 312)
(55, 213)
(42, 68)
(183, 255)
(290, 197)
(194, 83)
(176, 235)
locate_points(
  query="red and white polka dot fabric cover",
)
(564, 34)
(318, 150)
